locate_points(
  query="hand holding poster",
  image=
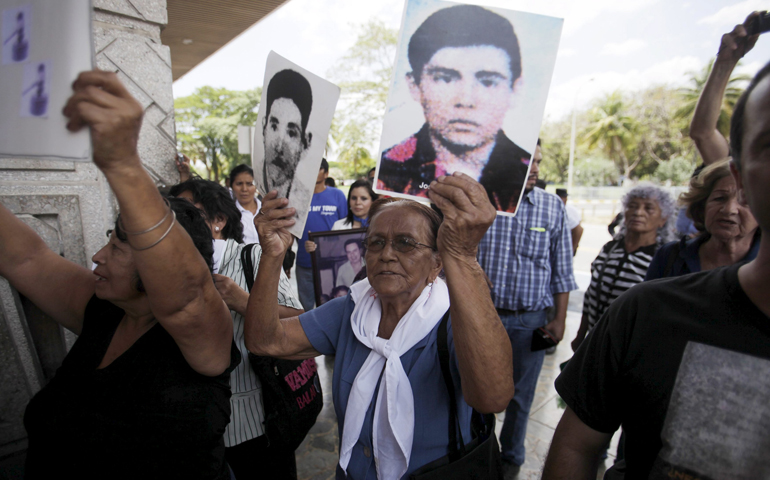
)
(468, 95)
(294, 118)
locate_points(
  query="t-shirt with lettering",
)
(325, 208)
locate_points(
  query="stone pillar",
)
(71, 207)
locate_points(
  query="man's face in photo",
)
(465, 93)
(283, 141)
(353, 252)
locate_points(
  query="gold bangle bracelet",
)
(173, 221)
(120, 222)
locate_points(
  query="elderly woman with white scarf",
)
(389, 395)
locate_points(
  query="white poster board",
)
(45, 45)
(468, 94)
(289, 140)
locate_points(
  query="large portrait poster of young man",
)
(293, 122)
(468, 94)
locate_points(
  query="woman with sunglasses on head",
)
(144, 391)
(384, 333)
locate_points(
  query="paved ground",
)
(318, 455)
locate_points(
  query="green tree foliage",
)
(676, 170)
(643, 133)
(555, 139)
(614, 131)
(207, 126)
(364, 74)
(661, 134)
(595, 172)
(691, 93)
(353, 159)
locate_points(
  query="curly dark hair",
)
(242, 168)
(191, 219)
(216, 202)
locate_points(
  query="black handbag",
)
(291, 389)
(479, 459)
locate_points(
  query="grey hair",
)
(667, 209)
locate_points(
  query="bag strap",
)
(454, 421)
(671, 259)
(248, 266)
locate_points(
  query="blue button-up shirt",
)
(528, 257)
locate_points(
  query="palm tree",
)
(691, 94)
(613, 131)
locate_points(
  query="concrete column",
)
(70, 204)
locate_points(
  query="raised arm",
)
(57, 286)
(481, 343)
(182, 163)
(265, 332)
(180, 291)
(711, 144)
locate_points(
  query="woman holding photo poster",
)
(245, 194)
(385, 333)
(144, 391)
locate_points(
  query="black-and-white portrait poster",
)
(468, 95)
(46, 44)
(293, 122)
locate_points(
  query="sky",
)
(605, 45)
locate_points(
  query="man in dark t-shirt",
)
(681, 364)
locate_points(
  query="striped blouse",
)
(612, 273)
(247, 413)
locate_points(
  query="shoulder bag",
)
(291, 389)
(479, 459)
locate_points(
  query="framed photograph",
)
(337, 261)
(468, 94)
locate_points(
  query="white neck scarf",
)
(393, 428)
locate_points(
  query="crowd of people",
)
(673, 337)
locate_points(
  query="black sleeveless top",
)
(146, 415)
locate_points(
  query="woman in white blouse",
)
(244, 192)
(360, 198)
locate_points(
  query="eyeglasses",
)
(400, 243)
